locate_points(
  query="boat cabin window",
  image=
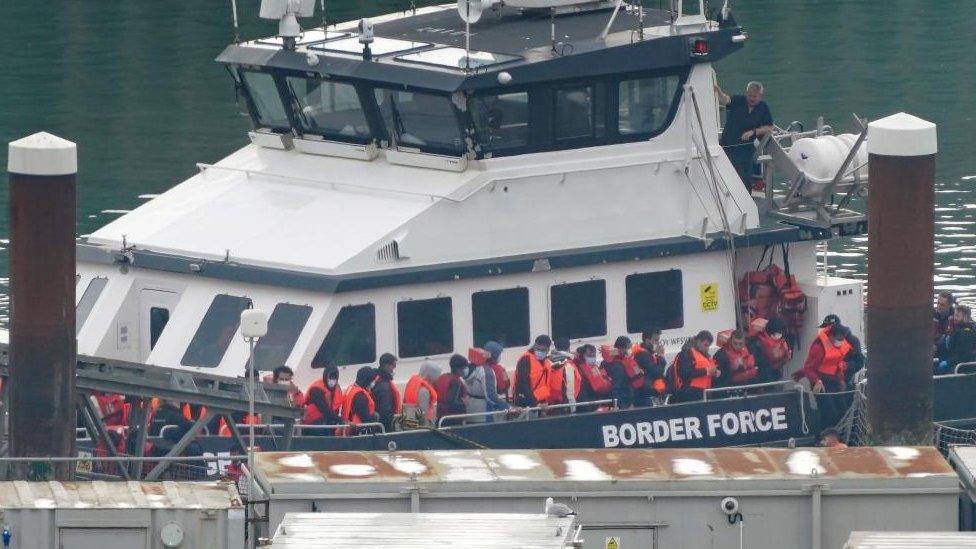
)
(579, 310)
(351, 339)
(87, 301)
(158, 319)
(420, 121)
(330, 109)
(425, 327)
(502, 316)
(644, 104)
(215, 332)
(501, 121)
(654, 299)
(285, 324)
(265, 100)
(577, 114)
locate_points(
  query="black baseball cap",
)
(830, 320)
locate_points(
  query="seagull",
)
(554, 509)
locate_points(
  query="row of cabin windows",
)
(425, 327)
(578, 310)
(507, 122)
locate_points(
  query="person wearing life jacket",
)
(595, 384)
(113, 408)
(482, 387)
(451, 391)
(735, 363)
(694, 371)
(651, 388)
(502, 382)
(385, 392)
(830, 438)
(564, 382)
(358, 405)
(942, 326)
(323, 401)
(283, 375)
(824, 366)
(620, 368)
(771, 350)
(532, 374)
(420, 396)
(854, 361)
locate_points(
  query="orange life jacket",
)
(596, 377)
(224, 430)
(502, 381)
(700, 362)
(347, 414)
(538, 376)
(833, 361)
(312, 414)
(658, 385)
(115, 412)
(557, 384)
(777, 351)
(412, 391)
(743, 364)
(188, 412)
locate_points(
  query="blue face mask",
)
(541, 354)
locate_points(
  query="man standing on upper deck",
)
(747, 118)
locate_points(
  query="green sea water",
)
(135, 85)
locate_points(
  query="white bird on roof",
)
(554, 509)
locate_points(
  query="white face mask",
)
(591, 360)
(777, 337)
(541, 354)
(837, 343)
(284, 381)
(331, 383)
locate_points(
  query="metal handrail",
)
(341, 426)
(782, 383)
(961, 365)
(611, 401)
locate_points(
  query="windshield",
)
(329, 108)
(420, 120)
(268, 108)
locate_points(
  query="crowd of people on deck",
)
(550, 379)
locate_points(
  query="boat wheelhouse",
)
(418, 185)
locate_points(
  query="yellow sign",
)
(708, 295)
(612, 543)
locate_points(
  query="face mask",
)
(591, 360)
(777, 337)
(837, 343)
(284, 381)
(540, 354)
(331, 383)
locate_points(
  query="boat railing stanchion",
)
(254, 326)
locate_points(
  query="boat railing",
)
(965, 368)
(300, 429)
(786, 384)
(524, 411)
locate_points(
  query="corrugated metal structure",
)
(129, 515)
(963, 459)
(416, 530)
(911, 540)
(804, 497)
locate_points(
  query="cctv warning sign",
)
(708, 295)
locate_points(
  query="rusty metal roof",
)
(660, 465)
(118, 495)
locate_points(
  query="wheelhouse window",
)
(215, 332)
(421, 121)
(501, 121)
(158, 319)
(654, 299)
(644, 104)
(579, 309)
(578, 113)
(425, 327)
(331, 109)
(87, 301)
(268, 109)
(284, 326)
(351, 339)
(502, 316)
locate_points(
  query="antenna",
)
(325, 22)
(287, 13)
(470, 12)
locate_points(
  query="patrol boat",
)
(423, 182)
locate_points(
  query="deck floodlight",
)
(287, 13)
(254, 323)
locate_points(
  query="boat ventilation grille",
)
(389, 252)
